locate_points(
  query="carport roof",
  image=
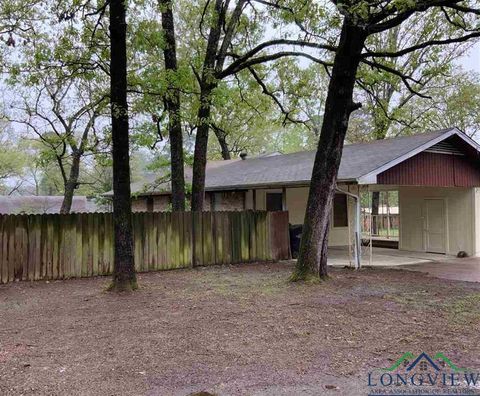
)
(360, 163)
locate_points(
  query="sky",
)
(472, 60)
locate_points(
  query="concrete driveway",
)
(382, 257)
(438, 265)
(466, 269)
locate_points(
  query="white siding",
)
(297, 204)
(460, 218)
(476, 228)
(296, 201)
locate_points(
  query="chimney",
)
(243, 155)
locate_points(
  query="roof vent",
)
(243, 155)
(444, 147)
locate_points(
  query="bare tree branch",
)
(386, 54)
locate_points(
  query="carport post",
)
(358, 258)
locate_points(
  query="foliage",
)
(272, 105)
(455, 103)
(12, 163)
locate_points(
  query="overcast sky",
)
(472, 60)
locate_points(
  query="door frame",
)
(445, 222)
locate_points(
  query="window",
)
(274, 202)
(340, 211)
(216, 203)
(149, 204)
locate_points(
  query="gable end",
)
(433, 169)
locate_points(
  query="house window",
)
(217, 201)
(274, 202)
(149, 204)
(340, 211)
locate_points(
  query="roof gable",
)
(431, 140)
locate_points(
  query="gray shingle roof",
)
(296, 168)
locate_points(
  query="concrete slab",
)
(383, 257)
(437, 265)
(466, 269)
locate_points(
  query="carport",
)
(438, 199)
(436, 178)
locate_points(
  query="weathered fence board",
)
(54, 246)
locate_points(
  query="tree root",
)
(122, 286)
(307, 277)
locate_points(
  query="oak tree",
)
(359, 21)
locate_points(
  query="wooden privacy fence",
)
(55, 246)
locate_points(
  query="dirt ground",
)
(236, 330)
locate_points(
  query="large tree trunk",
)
(207, 85)
(172, 101)
(71, 184)
(200, 153)
(124, 269)
(312, 261)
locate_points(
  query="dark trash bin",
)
(295, 237)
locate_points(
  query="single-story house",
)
(436, 174)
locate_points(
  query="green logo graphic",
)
(407, 357)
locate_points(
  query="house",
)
(436, 174)
(34, 204)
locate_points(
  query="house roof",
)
(360, 163)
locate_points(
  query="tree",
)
(212, 63)
(17, 20)
(124, 278)
(172, 104)
(63, 115)
(58, 86)
(222, 43)
(361, 19)
(386, 98)
(222, 47)
(455, 101)
(13, 162)
(266, 105)
(242, 119)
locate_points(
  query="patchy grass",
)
(458, 308)
(225, 283)
(464, 309)
(417, 299)
(233, 330)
